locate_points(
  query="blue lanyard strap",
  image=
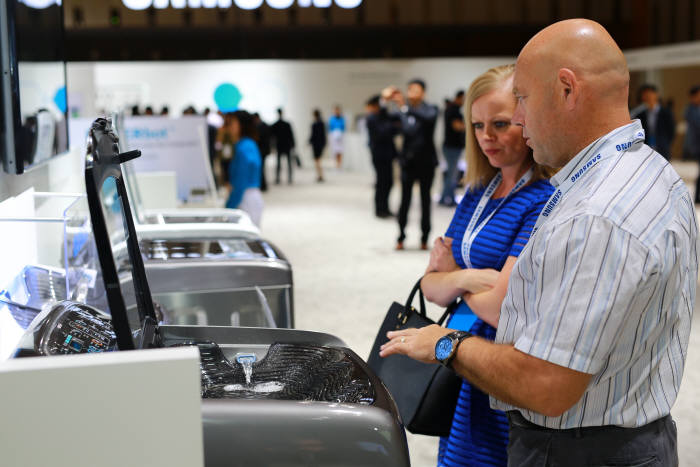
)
(472, 228)
(584, 167)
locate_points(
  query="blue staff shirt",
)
(244, 170)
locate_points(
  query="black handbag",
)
(425, 394)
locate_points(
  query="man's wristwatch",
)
(446, 346)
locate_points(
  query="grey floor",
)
(347, 273)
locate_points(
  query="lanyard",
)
(472, 229)
(583, 168)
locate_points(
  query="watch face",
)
(443, 348)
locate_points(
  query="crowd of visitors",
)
(400, 131)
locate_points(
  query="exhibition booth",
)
(173, 316)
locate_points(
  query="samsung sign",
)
(243, 4)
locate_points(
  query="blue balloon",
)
(227, 97)
(60, 99)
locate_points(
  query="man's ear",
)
(568, 88)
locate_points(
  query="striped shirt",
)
(606, 286)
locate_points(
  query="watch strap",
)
(457, 338)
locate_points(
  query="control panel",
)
(73, 328)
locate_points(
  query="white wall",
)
(296, 85)
(665, 56)
(60, 174)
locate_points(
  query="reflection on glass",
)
(113, 211)
(226, 307)
(85, 283)
(216, 249)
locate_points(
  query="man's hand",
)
(388, 92)
(392, 93)
(441, 258)
(419, 344)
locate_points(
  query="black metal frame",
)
(15, 142)
(11, 139)
(102, 162)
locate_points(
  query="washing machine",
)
(275, 397)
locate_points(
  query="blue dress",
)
(479, 435)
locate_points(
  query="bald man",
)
(594, 328)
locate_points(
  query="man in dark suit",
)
(381, 128)
(418, 157)
(284, 144)
(453, 147)
(657, 121)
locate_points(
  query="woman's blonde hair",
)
(479, 171)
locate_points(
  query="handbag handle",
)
(411, 296)
(417, 289)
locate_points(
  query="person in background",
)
(244, 170)
(148, 110)
(452, 147)
(691, 144)
(418, 157)
(135, 110)
(657, 120)
(211, 140)
(224, 149)
(593, 332)
(317, 140)
(381, 128)
(164, 111)
(506, 193)
(284, 145)
(336, 129)
(263, 130)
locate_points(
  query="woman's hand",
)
(475, 281)
(441, 258)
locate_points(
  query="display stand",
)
(109, 409)
(34, 227)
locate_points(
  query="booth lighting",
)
(348, 3)
(248, 4)
(40, 3)
(242, 4)
(280, 4)
(316, 3)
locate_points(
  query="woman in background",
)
(244, 169)
(318, 142)
(336, 128)
(506, 192)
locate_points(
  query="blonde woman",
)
(506, 192)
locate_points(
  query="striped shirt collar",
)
(626, 133)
